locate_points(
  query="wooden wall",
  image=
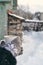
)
(15, 27)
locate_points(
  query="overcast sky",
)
(34, 5)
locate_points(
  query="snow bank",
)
(33, 49)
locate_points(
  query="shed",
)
(15, 25)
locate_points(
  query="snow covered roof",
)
(33, 20)
(19, 17)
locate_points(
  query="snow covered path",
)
(32, 49)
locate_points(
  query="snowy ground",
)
(32, 49)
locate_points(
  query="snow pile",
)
(33, 49)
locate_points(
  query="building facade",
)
(4, 6)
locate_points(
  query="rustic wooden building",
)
(15, 25)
